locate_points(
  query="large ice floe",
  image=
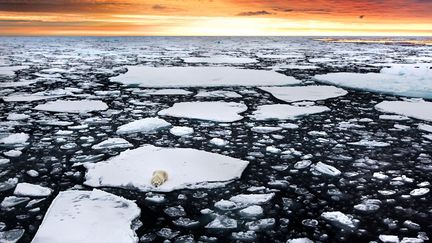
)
(412, 80)
(299, 93)
(285, 112)
(88, 216)
(200, 77)
(418, 109)
(216, 111)
(73, 106)
(146, 125)
(186, 168)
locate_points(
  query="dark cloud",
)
(254, 13)
(61, 6)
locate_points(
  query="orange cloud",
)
(215, 17)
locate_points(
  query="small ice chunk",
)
(218, 142)
(146, 125)
(12, 201)
(11, 236)
(300, 240)
(265, 129)
(181, 131)
(218, 94)
(31, 190)
(340, 220)
(222, 222)
(419, 192)
(389, 238)
(326, 169)
(15, 138)
(425, 127)
(113, 143)
(168, 92)
(13, 153)
(251, 211)
(252, 199)
(17, 117)
(370, 143)
(225, 205)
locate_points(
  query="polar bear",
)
(159, 177)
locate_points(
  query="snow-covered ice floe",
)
(73, 106)
(31, 190)
(299, 93)
(220, 60)
(168, 92)
(285, 112)
(181, 131)
(113, 143)
(217, 94)
(216, 111)
(412, 80)
(88, 216)
(418, 109)
(186, 168)
(44, 95)
(200, 77)
(146, 125)
(15, 139)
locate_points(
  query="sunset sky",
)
(216, 17)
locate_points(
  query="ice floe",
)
(73, 106)
(200, 77)
(168, 92)
(31, 190)
(413, 80)
(186, 168)
(113, 143)
(88, 216)
(146, 125)
(418, 109)
(218, 94)
(181, 131)
(285, 112)
(299, 93)
(216, 111)
(220, 60)
(252, 199)
(44, 95)
(340, 220)
(15, 139)
(326, 169)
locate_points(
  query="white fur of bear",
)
(159, 177)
